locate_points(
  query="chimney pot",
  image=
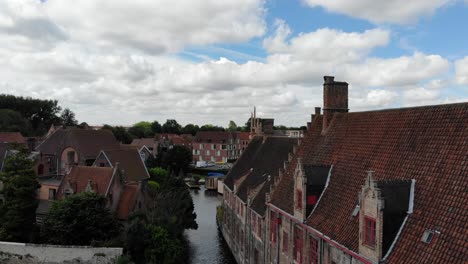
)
(329, 79)
(317, 110)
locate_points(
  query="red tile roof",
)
(130, 162)
(140, 142)
(127, 201)
(243, 135)
(12, 137)
(87, 142)
(428, 144)
(79, 176)
(219, 137)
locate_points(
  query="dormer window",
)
(369, 231)
(428, 236)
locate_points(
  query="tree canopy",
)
(141, 129)
(172, 127)
(176, 160)
(12, 121)
(81, 219)
(68, 118)
(232, 126)
(18, 211)
(40, 113)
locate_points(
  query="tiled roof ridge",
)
(409, 108)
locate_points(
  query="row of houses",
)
(385, 186)
(213, 146)
(70, 161)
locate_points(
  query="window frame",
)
(369, 231)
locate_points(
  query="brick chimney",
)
(335, 99)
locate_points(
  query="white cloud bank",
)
(112, 62)
(382, 11)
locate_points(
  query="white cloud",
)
(120, 84)
(326, 44)
(382, 11)
(401, 71)
(371, 99)
(461, 71)
(158, 26)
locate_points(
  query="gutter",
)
(321, 235)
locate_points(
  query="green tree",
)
(177, 160)
(190, 129)
(174, 209)
(12, 121)
(158, 174)
(83, 125)
(120, 133)
(164, 248)
(141, 129)
(232, 126)
(68, 118)
(172, 127)
(210, 127)
(18, 212)
(40, 113)
(80, 219)
(156, 127)
(137, 237)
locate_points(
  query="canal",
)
(206, 243)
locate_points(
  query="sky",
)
(209, 61)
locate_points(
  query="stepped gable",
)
(428, 144)
(88, 142)
(245, 162)
(127, 201)
(12, 137)
(130, 163)
(79, 177)
(266, 161)
(281, 196)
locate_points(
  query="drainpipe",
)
(278, 228)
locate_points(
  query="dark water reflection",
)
(206, 243)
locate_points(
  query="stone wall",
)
(12, 253)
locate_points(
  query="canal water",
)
(206, 243)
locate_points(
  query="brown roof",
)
(140, 142)
(87, 142)
(128, 146)
(130, 163)
(263, 157)
(12, 137)
(79, 176)
(127, 201)
(428, 144)
(219, 137)
(243, 135)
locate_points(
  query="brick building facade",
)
(219, 146)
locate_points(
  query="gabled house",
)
(65, 148)
(145, 143)
(123, 197)
(380, 186)
(129, 161)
